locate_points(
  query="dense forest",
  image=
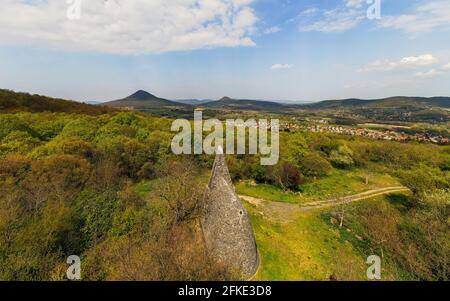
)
(12, 102)
(106, 187)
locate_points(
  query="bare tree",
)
(181, 190)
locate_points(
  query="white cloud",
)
(281, 66)
(429, 74)
(426, 17)
(406, 62)
(271, 30)
(354, 3)
(336, 20)
(379, 65)
(421, 60)
(418, 63)
(129, 26)
(434, 72)
(309, 11)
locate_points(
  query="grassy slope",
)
(313, 248)
(303, 250)
(338, 184)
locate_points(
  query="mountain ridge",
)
(11, 102)
(244, 104)
(143, 100)
(402, 108)
(438, 101)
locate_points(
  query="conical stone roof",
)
(226, 226)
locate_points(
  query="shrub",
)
(314, 165)
(342, 158)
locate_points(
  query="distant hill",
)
(408, 109)
(11, 102)
(391, 102)
(93, 102)
(245, 105)
(142, 100)
(400, 108)
(193, 101)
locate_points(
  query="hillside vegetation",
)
(12, 102)
(391, 102)
(108, 188)
(245, 104)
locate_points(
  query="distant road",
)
(285, 212)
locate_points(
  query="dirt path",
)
(286, 212)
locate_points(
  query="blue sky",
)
(263, 49)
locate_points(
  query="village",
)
(389, 135)
(323, 126)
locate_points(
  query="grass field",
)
(340, 183)
(312, 248)
(303, 250)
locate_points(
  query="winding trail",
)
(286, 212)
